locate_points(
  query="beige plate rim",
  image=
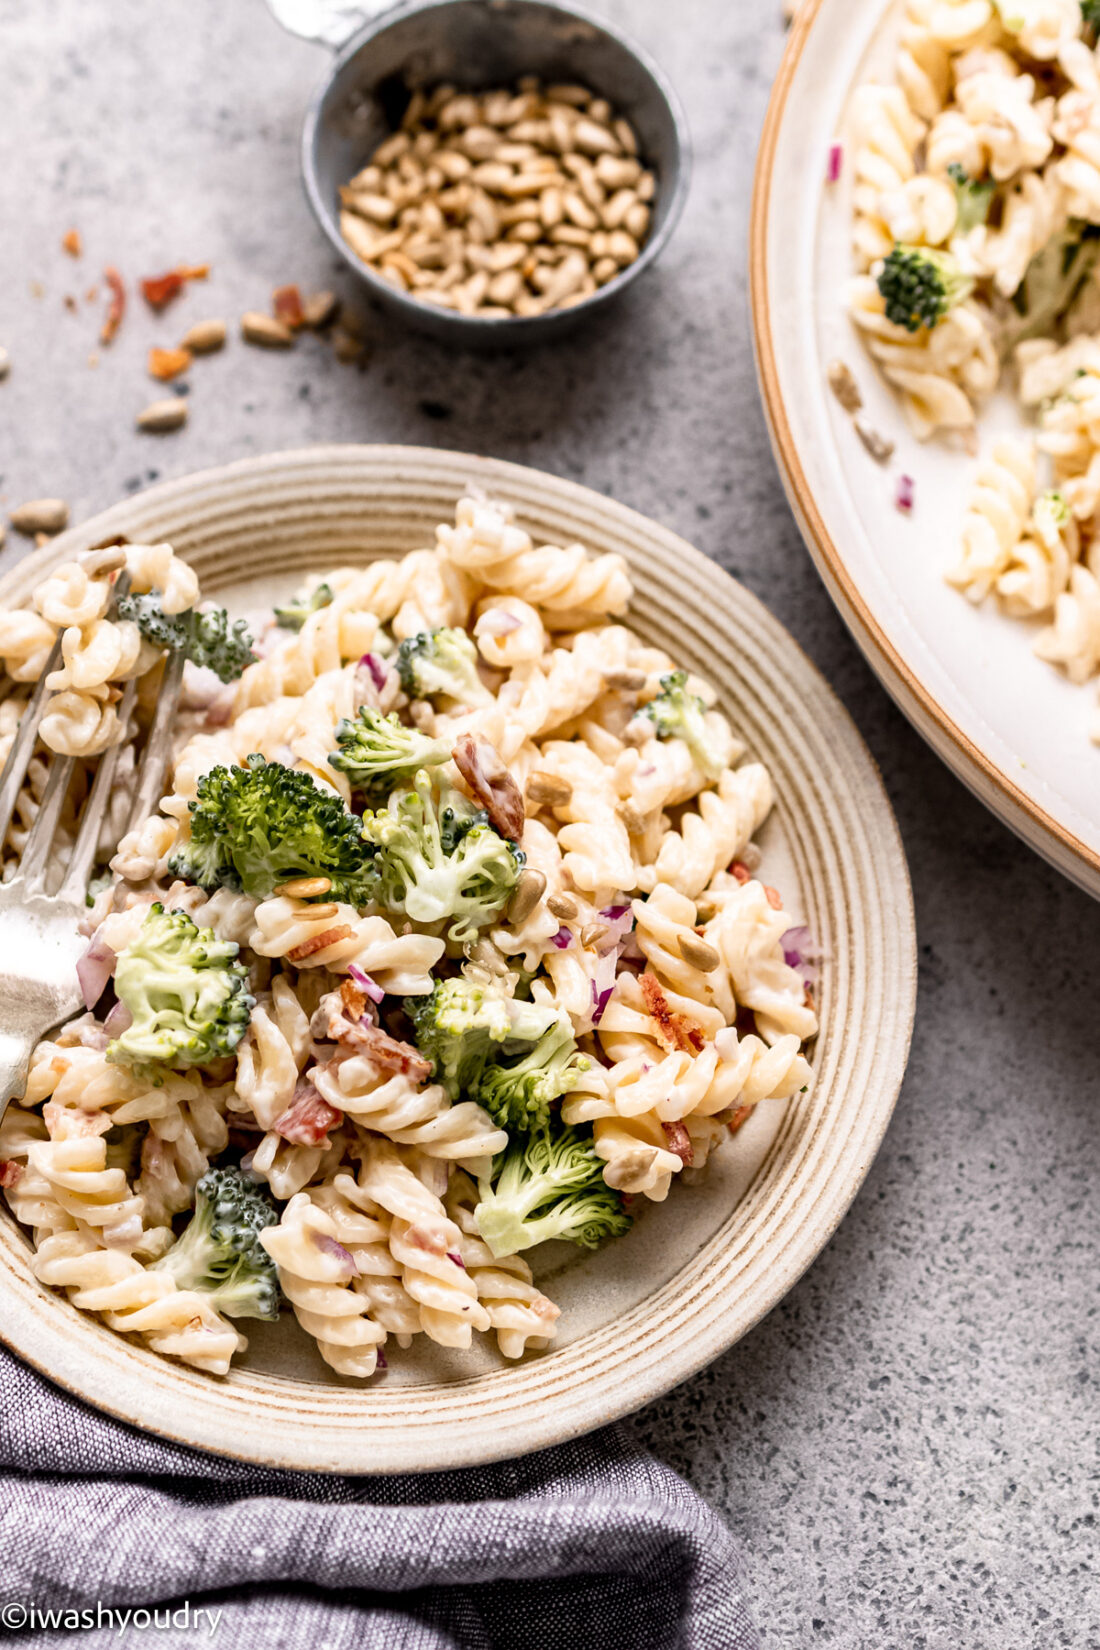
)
(273, 1420)
(1048, 835)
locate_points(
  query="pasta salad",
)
(444, 942)
(977, 240)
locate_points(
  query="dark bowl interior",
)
(477, 44)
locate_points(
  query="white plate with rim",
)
(1012, 727)
(696, 1272)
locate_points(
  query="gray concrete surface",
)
(907, 1446)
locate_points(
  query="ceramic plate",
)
(697, 1271)
(1014, 729)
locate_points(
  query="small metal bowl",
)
(476, 44)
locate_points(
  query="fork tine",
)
(15, 768)
(32, 866)
(76, 877)
(154, 759)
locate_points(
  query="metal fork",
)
(39, 942)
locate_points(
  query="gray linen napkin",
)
(591, 1546)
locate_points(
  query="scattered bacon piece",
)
(773, 897)
(308, 1118)
(354, 1000)
(741, 1115)
(286, 304)
(330, 936)
(741, 871)
(483, 769)
(679, 1142)
(675, 1031)
(116, 304)
(385, 1050)
(11, 1172)
(71, 1123)
(159, 290)
(72, 243)
(168, 363)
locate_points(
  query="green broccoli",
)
(518, 1095)
(378, 753)
(442, 861)
(678, 714)
(219, 1253)
(308, 600)
(97, 884)
(461, 1025)
(921, 286)
(550, 1185)
(1055, 279)
(441, 662)
(257, 826)
(204, 637)
(973, 198)
(186, 992)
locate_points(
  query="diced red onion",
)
(906, 494)
(365, 983)
(381, 1360)
(620, 925)
(376, 668)
(118, 1020)
(496, 622)
(94, 970)
(836, 162)
(458, 1260)
(798, 948)
(600, 1001)
(563, 939)
(329, 1246)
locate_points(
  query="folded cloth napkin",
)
(590, 1546)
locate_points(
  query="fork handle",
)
(15, 1059)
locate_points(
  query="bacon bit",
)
(674, 1031)
(159, 290)
(741, 871)
(483, 769)
(679, 1143)
(116, 304)
(71, 1123)
(741, 1115)
(168, 363)
(354, 1000)
(331, 936)
(773, 897)
(11, 1172)
(72, 243)
(286, 304)
(385, 1050)
(308, 1118)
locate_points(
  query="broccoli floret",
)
(220, 1254)
(1055, 279)
(206, 638)
(186, 992)
(299, 608)
(378, 753)
(550, 1185)
(441, 662)
(97, 885)
(920, 286)
(461, 1025)
(518, 1095)
(678, 714)
(972, 197)
(257, 826)
(442, 861)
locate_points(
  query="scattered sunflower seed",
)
(265, 330)
(161, 416)
(844, 387)
(204, 337)
(877, 445)
(41, 515)
(5, 363)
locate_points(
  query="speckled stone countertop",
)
(907, 1445)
